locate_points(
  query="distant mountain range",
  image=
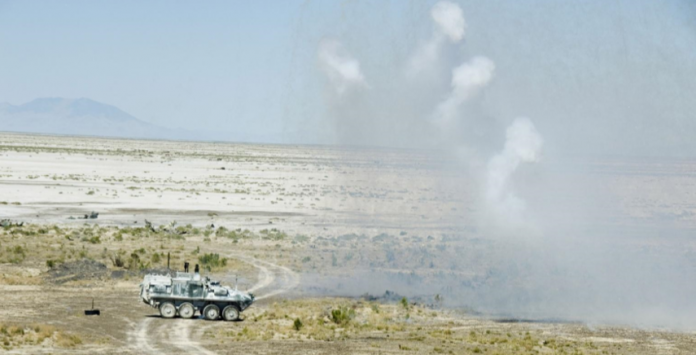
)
(80, 117)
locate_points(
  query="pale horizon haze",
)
(619, 75)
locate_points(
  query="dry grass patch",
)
(18, 336)
(393, 327)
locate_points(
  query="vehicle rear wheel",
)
(167, 310)
(211, 312)
(230, 313)
(186, 310)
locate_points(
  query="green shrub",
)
(134, 261)
(273, 234)
(297, 324)
(212, 261)
(342, 315)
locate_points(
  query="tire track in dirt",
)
(182, 341)
(269, 273)
(147, 339)
(140, 339)
(265, 278)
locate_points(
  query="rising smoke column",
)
(523, 142)
(342, 70)
(449, 26)
(449, 18)
(522, 145)
(467, 80)
(346, 100)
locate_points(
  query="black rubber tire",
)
(211, 312)
(230, 313)
(167, 310)
(186, 310)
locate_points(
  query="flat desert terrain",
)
(390, 239)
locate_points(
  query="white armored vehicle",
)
(186, 293)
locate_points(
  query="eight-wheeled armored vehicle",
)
(186, 293)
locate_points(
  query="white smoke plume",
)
(523, 145)
(449, 18)
(449, 24)
(342, 70)
(467, 79)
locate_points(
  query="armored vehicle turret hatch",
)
(187, 293)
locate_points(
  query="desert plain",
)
(348, 250)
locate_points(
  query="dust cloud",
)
(555, 248)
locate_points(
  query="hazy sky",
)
(580, 69)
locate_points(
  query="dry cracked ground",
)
(319, 234)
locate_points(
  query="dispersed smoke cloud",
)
(556, 257)
(467, 79)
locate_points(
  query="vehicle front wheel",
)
(186, 310)
(167, 310)
(211, 312)
(230, 313)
